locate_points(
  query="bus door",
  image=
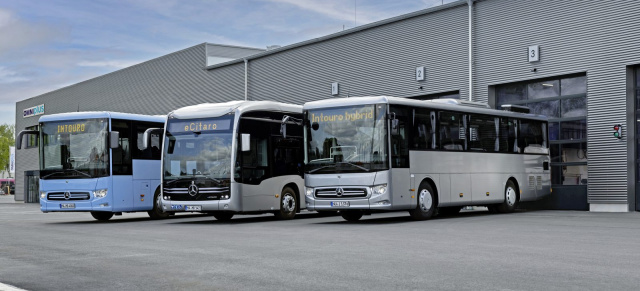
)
(400, 170)
(122, 168)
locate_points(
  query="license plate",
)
(193, 208)
(340, 204)
(67, 205)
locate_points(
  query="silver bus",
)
(374, 154)
(229, 158)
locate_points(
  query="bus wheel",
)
(287, 204)
(102, 216)
(351, 215)
(223, 216)
(426, 207)
(156, 212)
(510, 198)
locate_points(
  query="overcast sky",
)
(49, 44)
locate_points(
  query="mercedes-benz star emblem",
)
(339, 192)
(67, 195)
(193, 189)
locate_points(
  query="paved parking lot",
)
(527, 250)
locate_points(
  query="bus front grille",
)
(209, 193)
(68, 196)
(344, 193)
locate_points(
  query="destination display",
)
(74, 126)
(201, 125)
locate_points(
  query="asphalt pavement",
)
(475, 250)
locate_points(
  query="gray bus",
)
(229, 158)
(373, 154)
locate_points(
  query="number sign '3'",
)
(534, 53)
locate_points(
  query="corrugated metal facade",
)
(153, 87)
(597, 38)
(376, 61)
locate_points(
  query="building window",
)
(32, 139)
(564, 101)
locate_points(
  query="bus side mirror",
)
(146, 138)
(283, 130)
(23, 133)
(114, 137)
(394, 127)
(246, 142)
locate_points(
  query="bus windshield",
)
(198, 148)
(346, 139)
(74, 149)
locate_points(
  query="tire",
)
(426, 206)
(102, 216)
(156, 212)
(447, 211)
(223, 216)
(288, 204)
(510, 198)
(351, 215)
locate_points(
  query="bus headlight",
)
(309, 191)
(100, 193)
(379, 189)
(43, 195)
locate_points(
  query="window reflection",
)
(546, 108)
(544, 89)
(563, 100)
(571, 86)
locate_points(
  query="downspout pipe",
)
(246, 75)
(470, 4)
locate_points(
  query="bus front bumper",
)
(74, 205)
(196, 206)
(373, 203)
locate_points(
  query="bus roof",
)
(442, 104)
(102, 114)
(218, 109)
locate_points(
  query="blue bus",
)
(97, 162)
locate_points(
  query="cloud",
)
(118, 64)
(17, 34)
(340, 10)
(8, 76)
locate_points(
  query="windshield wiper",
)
(323, 167)
(352, 164)
(64, 172)
(341, 163)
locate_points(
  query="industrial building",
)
(578, 62)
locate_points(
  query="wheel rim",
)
(425, 200)
(511, 196)
(288, 203)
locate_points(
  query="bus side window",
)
(452, 131)
(424, 130)
(503, 135)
